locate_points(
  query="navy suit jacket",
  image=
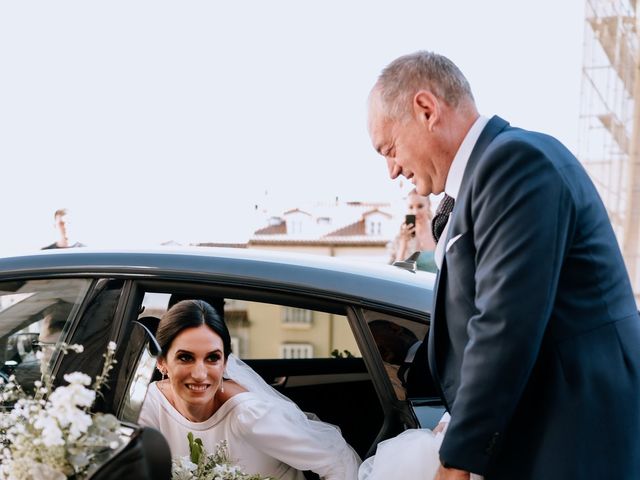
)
(535, 335)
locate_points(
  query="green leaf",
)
(196, 450)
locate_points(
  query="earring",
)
(221, 386)
(164, 373)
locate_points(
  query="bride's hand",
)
(451, 474)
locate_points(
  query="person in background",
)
(415, 237)
(53, 322)
(62, 224)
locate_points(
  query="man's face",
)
(62, 224)
(409, 148)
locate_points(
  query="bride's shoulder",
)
(231, 389)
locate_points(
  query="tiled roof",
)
(355, 241)
(377, 210)
(278, 229)
(220, 244)
(294, 210)
(356, 228)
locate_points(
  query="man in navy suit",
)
(535, 334)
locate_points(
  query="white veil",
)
(244, 375)
(344, 460)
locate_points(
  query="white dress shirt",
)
(454, 177)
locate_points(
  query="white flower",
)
(71, 396)
(51, 432)
(111, 347)
(182, 469)
(51, 435)
(79, 424)
(42, 471)
(78, 378)
(211, 466)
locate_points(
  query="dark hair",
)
(393, 340)
(190, 314)
(59, 313)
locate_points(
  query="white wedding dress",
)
(412, 454)
(266, 432)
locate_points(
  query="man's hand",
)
(451, 474)
(440, 427)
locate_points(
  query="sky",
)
(155, 121)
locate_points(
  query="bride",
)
(216, 396)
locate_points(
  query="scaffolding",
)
(610, 119)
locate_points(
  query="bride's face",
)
(195, 363)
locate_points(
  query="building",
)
(354, 230)
(357, 231)
(609, 143)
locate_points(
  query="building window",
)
(374, 228)
(235, 346)
(295, 227)
(296, 316)
(296, 350)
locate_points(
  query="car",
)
(325, 332)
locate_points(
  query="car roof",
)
(358, 281)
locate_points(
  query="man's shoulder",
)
(524, 138)
(526, 146)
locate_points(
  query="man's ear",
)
(427, 108)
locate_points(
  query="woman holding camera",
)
(415, 233)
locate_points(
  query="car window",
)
(270, 331)
(259, 331)
(400, 344)
(34, 317)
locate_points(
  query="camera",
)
(410, 219)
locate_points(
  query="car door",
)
(303, 345)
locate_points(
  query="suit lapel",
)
(489, 133)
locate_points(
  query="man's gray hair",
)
(406, 75)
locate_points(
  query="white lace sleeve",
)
(286, 434)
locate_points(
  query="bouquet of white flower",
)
(51, 435)
(200, 465)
